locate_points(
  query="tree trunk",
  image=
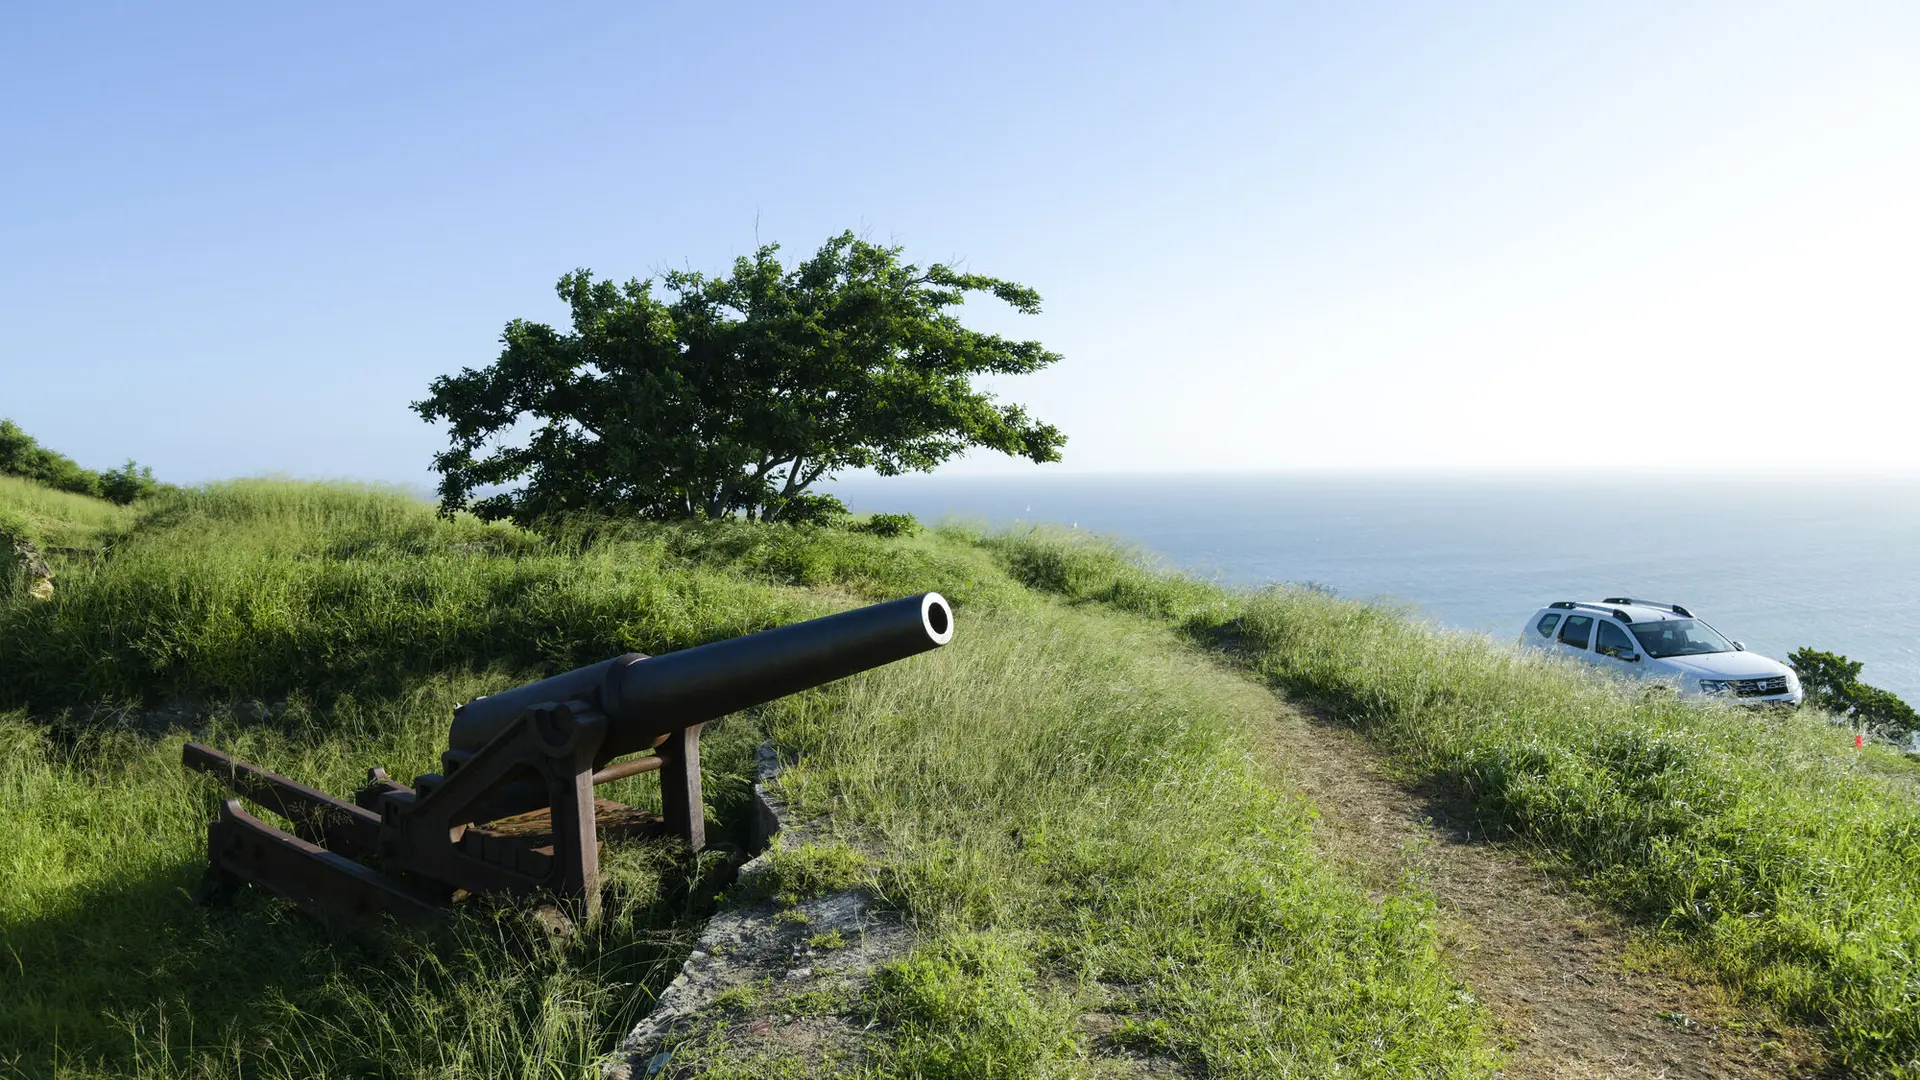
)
(793, 475)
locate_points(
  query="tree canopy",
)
(734, 394)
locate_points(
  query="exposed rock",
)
(763, 981)
(767, 964)
(552, 922)
(34, 566)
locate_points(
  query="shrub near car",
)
(1645, 640)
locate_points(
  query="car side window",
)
(1546, 624)
(1577, 631)
(1613, 641)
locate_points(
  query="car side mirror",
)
(1631, 658)
(1739, 646)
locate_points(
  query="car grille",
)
(1760, 687)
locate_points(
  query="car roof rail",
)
(1675, 608)
(1583, 605)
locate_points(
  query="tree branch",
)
(793, 475)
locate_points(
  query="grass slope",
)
(57, 519)
(1081, 791)
(1764, 844)
(1065, 802)
(112, 971)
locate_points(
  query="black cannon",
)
(513, 806)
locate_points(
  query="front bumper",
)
(1781, 690)
(1779, 701)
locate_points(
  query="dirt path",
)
(1551, 967)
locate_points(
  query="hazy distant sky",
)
(241, 239)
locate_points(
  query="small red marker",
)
(1859, 742)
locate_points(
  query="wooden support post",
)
(681, 806)
(576, 843)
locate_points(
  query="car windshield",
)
(1680, 637)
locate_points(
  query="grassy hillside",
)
(1780, 857)
(22, 456)
(1066, 802)
(57, 519)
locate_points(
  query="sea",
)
(1778, 564)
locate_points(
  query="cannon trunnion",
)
(513, 807)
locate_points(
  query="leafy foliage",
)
(735, 393)
(1883, 710)
(1825, 677)
(22, 455)
(806, 508)
(1832, 682)
(889, 525)
(128, 483)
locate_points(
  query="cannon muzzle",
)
(646, 698)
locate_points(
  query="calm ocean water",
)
(1830, 564)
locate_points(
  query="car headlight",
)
(1715, 686)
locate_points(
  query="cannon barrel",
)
(646, 698)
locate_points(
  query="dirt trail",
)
(1551, 967)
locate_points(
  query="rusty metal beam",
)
(620, 770)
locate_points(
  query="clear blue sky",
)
(241, 239)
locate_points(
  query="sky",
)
(1622, 237)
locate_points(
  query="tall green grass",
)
(1765, 842)
(1089, 569)
(252, 588)
(1072, 804)
(1066, 803)
(1782, 858)
(111, 969)
(57, 519)
(256, 588)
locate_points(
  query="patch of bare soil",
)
(1556, 972)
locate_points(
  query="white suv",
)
(1645, 640)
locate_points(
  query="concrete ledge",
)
(770, 954)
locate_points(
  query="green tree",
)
(1827, 678)
(1882, 710)
(22, 455)
(128, 483)
(735, 393)
(1832, 682)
